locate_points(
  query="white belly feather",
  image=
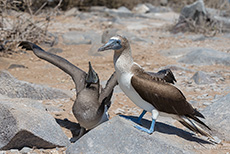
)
(124, 81)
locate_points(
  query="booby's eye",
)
(119, 41)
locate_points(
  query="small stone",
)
(141, 9)
(25, 150)
(119, 111)
(14, 151)
(72, 12)
(207, 103)
(13, 66)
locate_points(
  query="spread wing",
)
(165, 74)
(163, 96)
(107, 92)
(76, 73)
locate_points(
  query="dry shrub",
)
(18, 26)
(198, 21)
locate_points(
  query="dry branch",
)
(21, 26)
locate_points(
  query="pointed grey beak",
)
(111, 45)
(91, 76)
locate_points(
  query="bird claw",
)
(136, 120)
(149, 131)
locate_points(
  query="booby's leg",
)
(81, 133)
(155, 114)
(138, 121)
(141, 116)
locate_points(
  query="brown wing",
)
(107, 92)
(163, 96)
(76, 73)
(165, 74)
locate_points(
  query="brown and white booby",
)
(149, 92)
(92, 101)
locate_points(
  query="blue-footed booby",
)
(92, 101)
(150, 92)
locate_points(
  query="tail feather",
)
(187, 122)
(197, 113)
(198, 120)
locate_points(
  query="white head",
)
(116, 43)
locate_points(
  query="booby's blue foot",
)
(136, 120)
(149, 131)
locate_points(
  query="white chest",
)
(124, 80)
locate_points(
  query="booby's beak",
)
(91, 76)
(113, 44)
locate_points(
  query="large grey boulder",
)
(119, 136)
(218, 117)
(193, 10)
(25, 123)
(198, 56)
(121, 12)
(201, 77)
(75, 38)
(14, 88)
(204, 56)
(78, 37)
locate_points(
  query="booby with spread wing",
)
(92, 101)
(152, 93)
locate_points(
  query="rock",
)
(217, 116)
(52, 108)
(220, 16)
(84, 16)
(25, 150)
(119, 111)
(197, 37)
(191, 11)
(224, 22)
(141, 9)
(97, 8)
(205, 56)
(14, 151)
(13, 66)
(93, 36)
(14, 88)
(121, 12)
(75, 38)
(195, 13)
(164, 2)
(198, 56)
(23, 125)
(55, 50)
(72, 12)
(124, 9)
(158, 9)
(119, 136)
(177, 67)
(202, 78)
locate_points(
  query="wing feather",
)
(162, 95)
